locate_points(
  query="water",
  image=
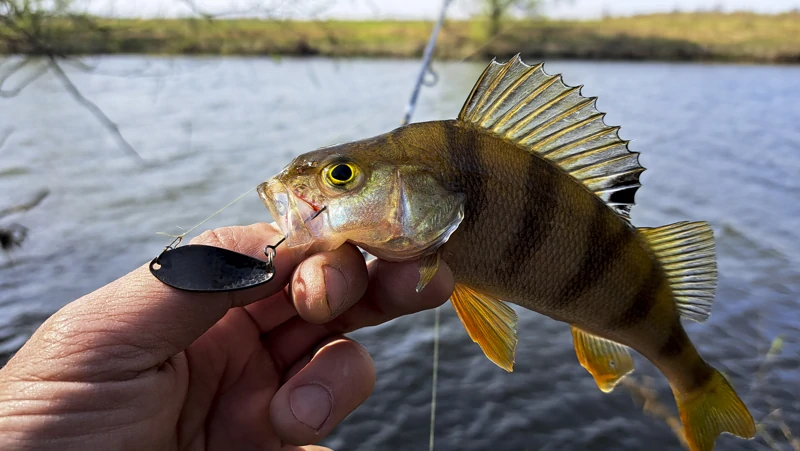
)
(721, 143)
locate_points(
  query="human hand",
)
(139, 365)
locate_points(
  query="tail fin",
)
(711, 410)
(686, 252)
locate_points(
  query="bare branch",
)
(78, 64)
(144, 71)
(255, 9)
(653, 407)
(16, 67)
(5, 136)
(33, 76)
(94, 109)
(40, 196)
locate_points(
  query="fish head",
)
(392, 207)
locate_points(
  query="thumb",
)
(136, 323)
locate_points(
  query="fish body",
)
(526, 197)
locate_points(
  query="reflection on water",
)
(721, 143)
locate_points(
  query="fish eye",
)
(341, 173)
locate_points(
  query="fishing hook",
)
(202, 268)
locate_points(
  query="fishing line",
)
(179, 238)
(410, 107)
(436, 321)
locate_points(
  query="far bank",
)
(742, 37)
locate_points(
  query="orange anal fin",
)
(607, 361)
(489, 322)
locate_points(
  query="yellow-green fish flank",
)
(526, 196)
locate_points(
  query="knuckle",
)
(214, 237)
(64, 329)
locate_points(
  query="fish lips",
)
(289, 212)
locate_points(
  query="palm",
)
(137, 365)
(229, 380)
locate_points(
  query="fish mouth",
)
(289, 211)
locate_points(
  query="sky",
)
(420, 9)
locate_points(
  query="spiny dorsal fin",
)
(538, 112)
(489, 322)
(607, 361)
(686, 252)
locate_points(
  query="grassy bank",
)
(680, 36)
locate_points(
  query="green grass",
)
(679, 36)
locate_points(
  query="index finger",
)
(139, 322)
(391, 293)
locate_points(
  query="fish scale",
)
(526, 196)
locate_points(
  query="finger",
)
(392, 293)
(326, 284)
(338, 379)
(137, 322)
(293, 339)
(305, 448)
(272, 311)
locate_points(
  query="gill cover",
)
(419, 216)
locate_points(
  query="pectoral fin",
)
(607, 361)
(489, 322)
(427, 269)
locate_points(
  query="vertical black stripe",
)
(603, 246)
(462, 147)
(675, 342)
(677, 345)
(540, 204)
(642, 302)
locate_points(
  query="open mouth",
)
(289, 211)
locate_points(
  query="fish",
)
(526, 196)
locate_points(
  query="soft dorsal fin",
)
(686, 252)
(538, 112)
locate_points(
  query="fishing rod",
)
(242, 271)
(426, 63)
(412, 104)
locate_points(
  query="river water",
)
(721, 144)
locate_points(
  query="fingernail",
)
(311, 405)
(335, 288)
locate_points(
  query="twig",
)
(775, 349)
(232, 13)
(32, 77)
(94, 109)
(26, 23)
(16, 67)
(40, 196)
(653, 407)
(7, 134)
(768, 438)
